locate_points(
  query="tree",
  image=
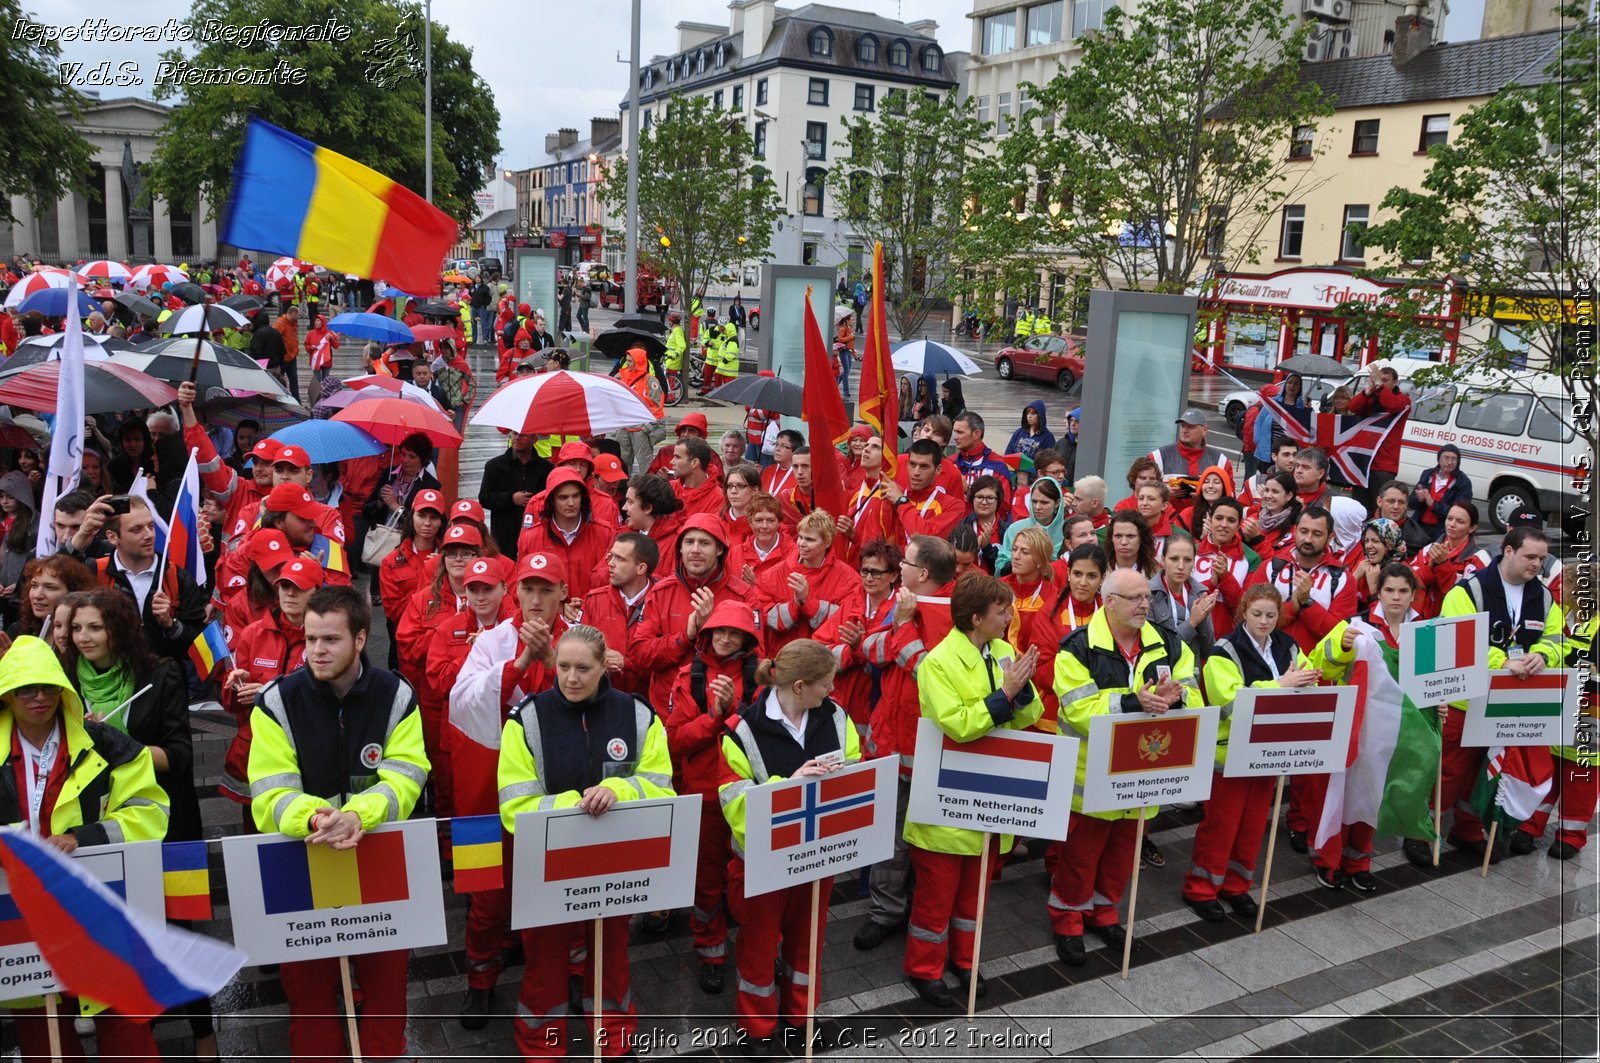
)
(45, 157)
(1162, 148)
(703, 206)
(906, 183)
(360, 95)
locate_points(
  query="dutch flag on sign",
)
(994, 766)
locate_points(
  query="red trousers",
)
(1576, 789)
(541, 1027)
(316, 1024)
(774, 929)
(116, 1036)
(1459, 768)
(488, 923)
(439, 761)
(1348, 849)
(944, 911)
(707, 920)
(1092, 870)
(1228, 840)
(1296, 813)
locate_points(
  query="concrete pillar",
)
(161, 228)
(205, 242)
(67, 229)
(23, 239)
(116, 217)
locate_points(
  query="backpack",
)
(1247, 428)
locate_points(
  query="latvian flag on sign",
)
(1537, 697)
(832, 805)
(993, 766)
(1292, 717)
(1444, 647)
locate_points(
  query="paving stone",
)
(1262, 960)
(1274, 1033)
(1178, 986)
(1342, 936)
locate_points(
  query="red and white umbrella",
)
(391, 420)
(106, 269)
(155, 275)
(372, 384)
(286, 269)
(564, 402)
(39, 281)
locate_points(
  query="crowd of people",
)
(581, 634)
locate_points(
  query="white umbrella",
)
(931, 358)
(284, 269)
(565, 402)
(203, 319)
(840, 312)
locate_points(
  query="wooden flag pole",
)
(1488, 850)
(350, 1009)
(599, 955)
(1438, 811)
(1133, 897)
(1272, 844)
(50, 1021)
(977, 933)
(815, 969)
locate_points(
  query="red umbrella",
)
(433, 333)
(107, 388)
(564, 402)
(376, 380)
(391, 420)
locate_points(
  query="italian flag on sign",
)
(1444, 647)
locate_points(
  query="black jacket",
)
(504, 476)
(189, 612)
(376, 511)
(160, 717)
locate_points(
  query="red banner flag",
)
(822, 408)
(879, 403)
(1152, 745)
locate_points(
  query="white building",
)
(795, 74)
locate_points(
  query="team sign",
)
(637, 856)
(1445, 659)
(293, 901)
(131, 870)
(1009, 782)
(1290, 731)
(799, 830)
(1541, 710)
(1137, 759)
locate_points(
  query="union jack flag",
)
(1350, 440)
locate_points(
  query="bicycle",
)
(695, 363)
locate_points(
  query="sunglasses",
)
(34, 691)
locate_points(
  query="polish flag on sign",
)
(623, 841)
(823, 808)
(1293, 716)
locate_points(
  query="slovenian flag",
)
(186, 880)
(478, 853)
(209, 649)
(623, 841)
(823, 808)
(296, 877)
(996, 766)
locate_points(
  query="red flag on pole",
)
(822, 408)
(880, 402)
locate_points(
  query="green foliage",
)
(361, 97)
(45, 156)
(700, 191)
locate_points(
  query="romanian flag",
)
(209, 649)
(1141, 746)
(329, 554)
(185, 880)
(822, 408)
(478, 853)
(296, 877)
(880, 401)
(292, 197)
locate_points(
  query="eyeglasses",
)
(874, 572)
(1136, 599)
(35, 692)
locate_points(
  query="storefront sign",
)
(1312, 289)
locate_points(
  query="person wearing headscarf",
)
(1381, 542)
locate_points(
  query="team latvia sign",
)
(1290, 731)
(1541, 710)
(1140, 759)
(800, 830)
(638, 856)
(1445, 659)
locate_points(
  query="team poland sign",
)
(799, 830)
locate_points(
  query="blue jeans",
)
(844, 373)
(482, 325)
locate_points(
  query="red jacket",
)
(854, 686)
(707, 498)
(934, 512)
(269, 648)
(897, 652)
(829, 587)
(744, 556)
(1389, 400)
(1047, 629)
(413, 634)
(604, 608)
(871, 517)
(1436, 578)
(1333, 596)
(451, 641)
(402, 572)
(694, 725)
(585, 552)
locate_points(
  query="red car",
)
(1056, 359)
(651, 291)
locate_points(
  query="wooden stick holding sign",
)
(350, 1009)
(1488, 850)
(977, 931)
(50, 1000)
(815, 967)
(599, 955)
(1133, 896)
(1272, 845)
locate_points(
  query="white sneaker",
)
(84, 1026)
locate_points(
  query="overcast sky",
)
(547, 68)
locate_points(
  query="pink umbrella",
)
(39, 281)
(585, 404)
(391, 420)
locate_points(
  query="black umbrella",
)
(245, 304)
(36, 349)
(614, 343)
(763, 393)
(202, 320)
(221, 367)
(435, 308)
(190, 293)
(1315, 365)
(643, 323)
(137, 304)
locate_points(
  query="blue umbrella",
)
(372, 327)
(327, 441)
(53, 302)
(392, 292)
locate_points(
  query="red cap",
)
(485, 572)
(862, 431)
(468, 508)
(292, 498)
(609, 468)
(270, 548)
(293, 455)
(547, 567)
(428, 499)
(462, 535)
(303, 572)
(266, 450)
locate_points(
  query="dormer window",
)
(867, 48)
(700, 62)
(722, 55)
(822, 42)
(932, 58)
(900, 54)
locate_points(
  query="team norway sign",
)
(800, 830)
(1008, 782)
(1290, 731)
(1138, 759)
(569, 866)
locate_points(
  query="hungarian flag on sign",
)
(1536, 697)
(1139, 746)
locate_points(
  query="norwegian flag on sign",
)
(1350, 440)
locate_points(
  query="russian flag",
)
(995, 765)
(182, 545)
(623, 841)
(100, 948)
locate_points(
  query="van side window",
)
(1552, 420)
(1501, 413)
(1433, 407)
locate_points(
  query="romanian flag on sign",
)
(296, 877)
(185, 880)
(292, 197)
(209, 649)
(477, 853)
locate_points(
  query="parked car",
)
(490, 269)
(652, 292)
(593, 274)
(1056, 359)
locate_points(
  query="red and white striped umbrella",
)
(41, 280)
(564, 402)
(105, 269)
(155, 275)
(284, 269)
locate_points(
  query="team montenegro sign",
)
(1138, 759)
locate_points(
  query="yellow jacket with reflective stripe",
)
(739, 772)
(1224, 680)
(1458, 602)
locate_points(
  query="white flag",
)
(66, 447)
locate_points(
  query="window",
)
(1294, 232)
(999, 33)
(1216, 231)
(1300, 141)
(821, 42)
(867, 48)
(649, 77)
(647, 120)
(1434, 406)
(983, 108)
(1366, 138)
(1505, 414)
(1435, 130)
(1089, 15)
(817, 92)
(700, 62)
(816, 140)
(761, 91)
(900, 54)
(722, 55)
(738, 97)
(1515, 342)
(811, 193)
(716, 99)
(760, 149)
(1351, 246)
(1002, 113)
(864, 100)
(1046, 22)
(1552, 420)
(932, 58)
(672, 70)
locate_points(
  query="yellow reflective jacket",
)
(1553, 645)
(1224, 677)
(677, 347)
(744, 766)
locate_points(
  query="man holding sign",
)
(1119, 662)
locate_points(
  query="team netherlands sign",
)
(1290, 731)
(800, 830)
(1541, 710)
(1010, 782)
(1138, 759)
(1445, 659)
(638, 856)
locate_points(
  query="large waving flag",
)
(822, 408)
(1350, 440)
(100, 948)
(1515, 781)
(66, 447)
(879, 404)
(292, 197)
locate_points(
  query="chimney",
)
(568, 137)
(552, 141)
(601, 128)
(1413, 35)
(759, 16)
(925, 27)
(736, 18)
